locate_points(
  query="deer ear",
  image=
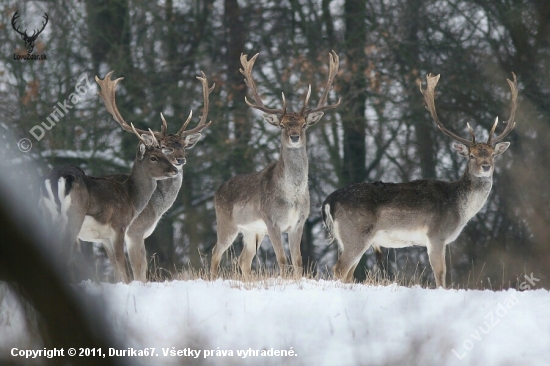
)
(272, 119)
(148, 138)
(313, 118)
(191, 140)
(462, 149)
(500, 148)
(141, 150)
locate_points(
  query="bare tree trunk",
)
(236, 89)
(354, 95)
(307, 248)
(410, 65)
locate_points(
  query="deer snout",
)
(486, 167)
(294, 138)
(181, 161)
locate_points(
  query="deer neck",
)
(474, 193)
(293, 166)
(167, 190)
(140, 186)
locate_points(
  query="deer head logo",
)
(29, 40)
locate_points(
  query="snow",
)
(322, 322)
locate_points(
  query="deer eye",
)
(472, 156)
(154, 158)
(281, 126)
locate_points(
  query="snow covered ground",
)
(319, 323)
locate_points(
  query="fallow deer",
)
(429, 213)
(173, 146)
(100, 209)
(276, 199)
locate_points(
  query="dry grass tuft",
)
(264, 278)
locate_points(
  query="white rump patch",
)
(48, 202)
(65, 202)
(336, 235)
(58, 214)
(329, 224)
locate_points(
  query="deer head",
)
(292, 124)
(172, 145)
(150, 155)
(29, 40)
(480, 154)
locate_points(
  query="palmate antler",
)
(334, 61)
(510, 124)
(321, 106)
(249, 81)
(107, 93)
(431, 82)
(206, 98)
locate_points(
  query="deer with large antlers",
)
(276, 199)
(430, 213)
(101, 209)
(173, 146)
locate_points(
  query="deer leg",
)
(274, 233)
(68, 226)
(226, 236)
(346, 264)
(436, 254)
(353, 245)
(251, 242)
(71, 248)
(137, 256)
(294, 241)
(117, 241)
(108, 247)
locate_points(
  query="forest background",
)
(381, 131)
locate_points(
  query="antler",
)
(34, 34)
(107, 93)
(333, 70)
(510, 124)
(431, 82)
(14, 20)
(202, 123)
(154, 141)
(45, 16)
(249, 81)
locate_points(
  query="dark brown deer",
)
(29, 40)
(99, 209)
(429, 213)
(276, 199)
(173, 146)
